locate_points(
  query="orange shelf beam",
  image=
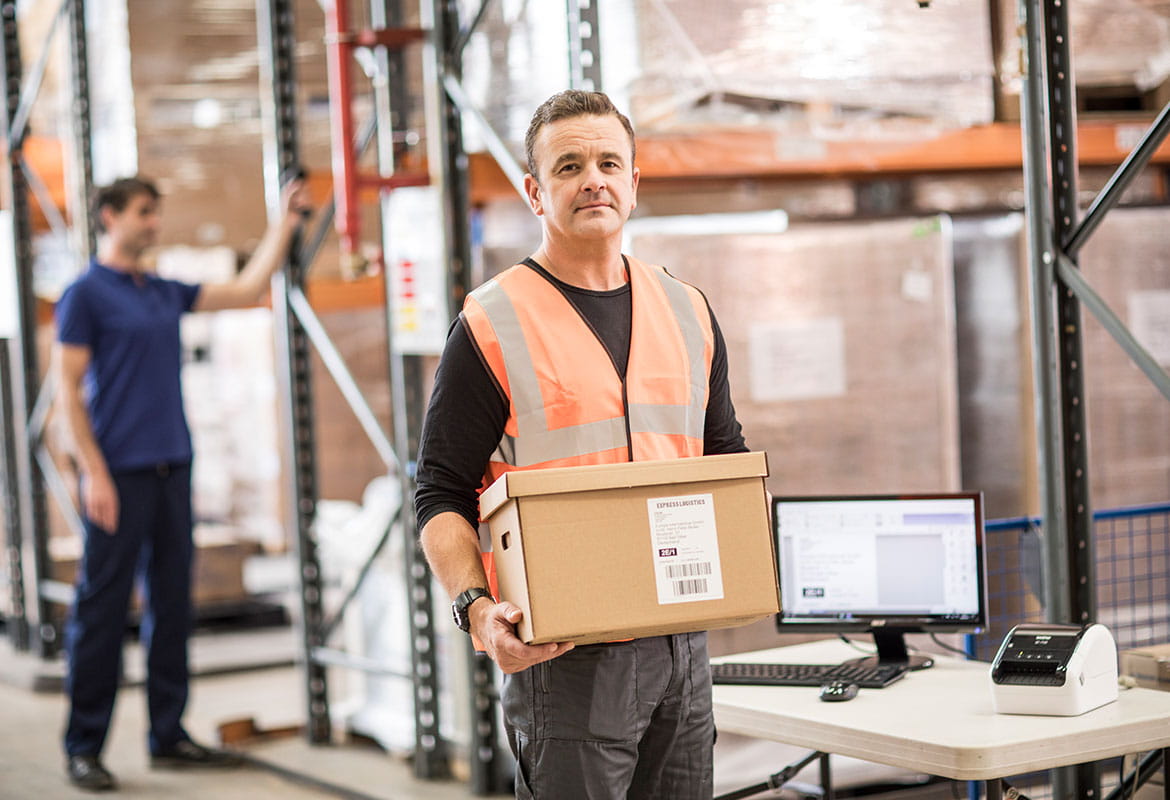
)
(739, 153)
(337, 294)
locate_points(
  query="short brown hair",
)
(118, 195)
(566, 105)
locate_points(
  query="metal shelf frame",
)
(299, 327)
(27, 469)
(1055, 236)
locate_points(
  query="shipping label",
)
(686, 548)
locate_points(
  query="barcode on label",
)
(688, 570)
(693, 586)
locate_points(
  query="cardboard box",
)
(827, 361)
(1149, 666)
(603, 553)
(217, 573)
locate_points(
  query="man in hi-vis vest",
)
(579, 355)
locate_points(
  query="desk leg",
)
(994, 789)
(1165, 773)
(784, 776)
(827, 778)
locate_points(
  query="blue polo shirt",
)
(130, 323)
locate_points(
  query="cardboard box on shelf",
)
(840, 348)
(608, 552)
(218, 570)
(1149, 666)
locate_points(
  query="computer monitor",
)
(886, 565)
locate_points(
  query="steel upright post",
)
(31, 533)
(1048, 109)
(431, 757)
(16, 621)
(274, 23)
(1084, 780)
(584, 34)
(81, 161)
(1082, 600)
(446, 120)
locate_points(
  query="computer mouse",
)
(836, 691)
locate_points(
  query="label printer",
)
(1056, 670)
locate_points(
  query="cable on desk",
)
(934, 638)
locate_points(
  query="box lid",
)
(560, 480)
(1158, 652)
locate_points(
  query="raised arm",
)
(249, 285)
(99, 498)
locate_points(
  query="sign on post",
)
(9, 307)
(416, 271)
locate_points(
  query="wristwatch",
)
(463, 602)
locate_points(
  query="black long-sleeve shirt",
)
(468, 409)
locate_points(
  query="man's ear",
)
(532, 193)
(109, 218)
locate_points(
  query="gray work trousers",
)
(620, 721)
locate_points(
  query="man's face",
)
(587, 185)
(134, 228)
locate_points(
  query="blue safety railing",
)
(1133, 576)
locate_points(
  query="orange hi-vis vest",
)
(567, 404)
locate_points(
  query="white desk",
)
(937, 720)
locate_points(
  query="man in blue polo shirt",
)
(117, 362)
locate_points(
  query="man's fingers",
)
(104, 515)
(513, 615)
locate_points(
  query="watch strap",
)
(463, 602)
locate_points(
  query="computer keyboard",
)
(867, 677)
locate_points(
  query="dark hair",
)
(566, 105)
(118, 195)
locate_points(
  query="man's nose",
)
(594, 180)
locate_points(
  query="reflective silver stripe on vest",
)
(692, 331)
(647, 418)
(522, 383)
(535, 443)
(592, 437)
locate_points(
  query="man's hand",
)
(494, 625)
(295, 201)
(99, 498)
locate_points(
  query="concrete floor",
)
(31, 765)
(269, 693)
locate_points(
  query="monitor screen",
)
(881, 564)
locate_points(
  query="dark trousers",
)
(622, 721)
(153, 542)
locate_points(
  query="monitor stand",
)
(891, 649)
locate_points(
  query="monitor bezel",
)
(902, 623)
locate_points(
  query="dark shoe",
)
(186, 754)
(86, 772)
